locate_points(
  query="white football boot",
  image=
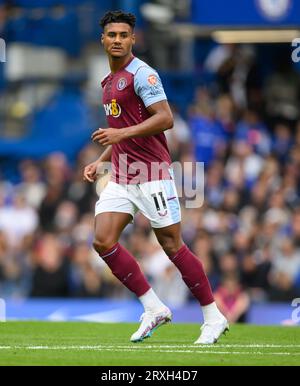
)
(211, 332)
(150, 322)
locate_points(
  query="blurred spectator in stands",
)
(282, 141)
(232, 299)
(252, 130)
(32, 186)
(248, 219)
(258, 195)
(54, 195)
(209, 140)
(225, 115)
(170, 279)
(295, 227)
(57, 175)
(270, 231)
(138, 242)
(83, 231)
(86, 278)
(154, 259)
(179, 138)
(221, 225)
(65, 217)
(228, 264)
(270, 174)
(242, 244)
(255, 273)
(290, 187)
(191, 223)
(17, 220)
(278, 210)
(51, 269)
(231, 200)
(78, 191)
(243, 166)
(214, 184)
(284, 271)
(57, 169)
(64, 221)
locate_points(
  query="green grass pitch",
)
(55, 343)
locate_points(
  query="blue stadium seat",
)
(65, 124)
(45, 3)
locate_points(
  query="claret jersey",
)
(126, 96)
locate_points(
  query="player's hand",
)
(90, 172)
(108, 136)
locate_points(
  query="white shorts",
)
(157, 200)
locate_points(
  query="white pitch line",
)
(145, 349)
(207, 352)
(142, 345)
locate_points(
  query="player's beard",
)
(116, 57)
(119, 56)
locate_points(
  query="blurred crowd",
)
(247, 232)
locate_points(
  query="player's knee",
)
(103, 244)
(170, 246)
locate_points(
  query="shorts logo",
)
(152, 79)
(113, 109)
(122, 83)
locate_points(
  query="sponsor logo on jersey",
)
(152, 79)
(113, 109)
(122, 83)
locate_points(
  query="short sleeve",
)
(148, 86)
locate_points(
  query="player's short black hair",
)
(118, 17)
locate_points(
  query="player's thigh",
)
(113, 211)
(108, 228)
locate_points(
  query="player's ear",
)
(133, 38)
(102, 38)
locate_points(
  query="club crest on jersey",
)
(122, 83)
(152, 79)
(113, 109)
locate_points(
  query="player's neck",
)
(117, 63)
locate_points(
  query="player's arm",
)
(161, 119)
(106, 155)
(149, 88)
(91, 170)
